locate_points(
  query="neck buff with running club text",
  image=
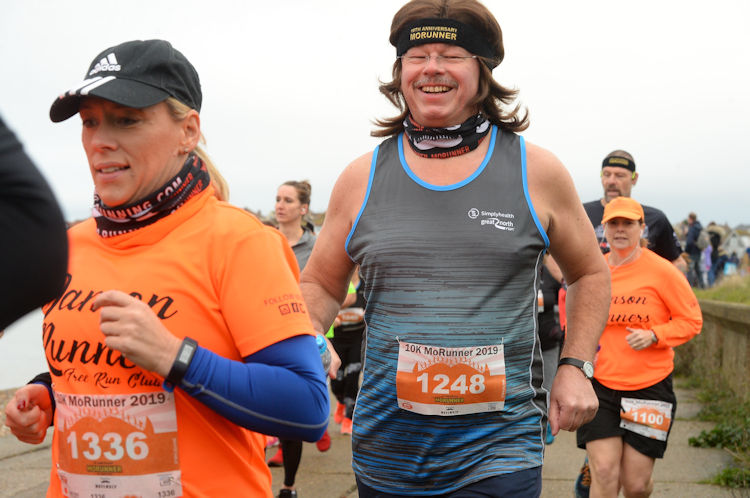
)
(192, 179)
(442, 143)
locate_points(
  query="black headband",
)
(619, 162)
(437, 30)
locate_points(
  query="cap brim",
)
(118, 90)
(621, 214)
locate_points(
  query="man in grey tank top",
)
(449, 219)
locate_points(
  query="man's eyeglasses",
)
(422, 60)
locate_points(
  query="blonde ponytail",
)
(179, 111)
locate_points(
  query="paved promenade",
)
(24, 469)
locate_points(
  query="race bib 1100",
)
(647, 417)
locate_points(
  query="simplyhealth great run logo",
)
(64, 355)
(495, 219)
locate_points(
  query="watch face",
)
(588, 369)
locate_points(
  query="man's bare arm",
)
(325, 280)
(574, 248)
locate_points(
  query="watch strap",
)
(576, 363)
(182, 361)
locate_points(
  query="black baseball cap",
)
(137, 74)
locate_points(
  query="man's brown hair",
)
(492, 99)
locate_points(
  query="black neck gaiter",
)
(442, 143)
(192, 179)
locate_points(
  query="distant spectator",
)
(732, 264)
(695, 272)
(720, 264)
(715, 234)
(706, 264)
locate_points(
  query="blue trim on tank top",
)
(526, 193)
(419, 181)
(364, 203)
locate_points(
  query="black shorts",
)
(606, 423)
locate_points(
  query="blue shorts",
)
(522, 484)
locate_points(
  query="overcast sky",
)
(290, 88)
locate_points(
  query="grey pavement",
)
(24, 469)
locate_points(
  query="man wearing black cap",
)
(618, 178)
(449, 219)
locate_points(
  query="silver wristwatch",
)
(586, 366)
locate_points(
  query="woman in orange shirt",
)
(652, 310)
(181, 332)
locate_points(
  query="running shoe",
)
(271, 441)
(287, 493)
(346, 427)
(338, 415)
(277, 460)
(324, 443)
(583, 482)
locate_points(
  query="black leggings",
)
(291, 449)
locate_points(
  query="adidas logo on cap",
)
(146, 72)
(108, 63)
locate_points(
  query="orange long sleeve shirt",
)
(649, 293)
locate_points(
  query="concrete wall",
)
(722, 350)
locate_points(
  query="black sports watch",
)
(586, 366)
(182, 361)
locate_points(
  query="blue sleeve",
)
(280, 390)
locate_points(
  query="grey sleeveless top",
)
(451, 266)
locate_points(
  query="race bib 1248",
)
(434, 380)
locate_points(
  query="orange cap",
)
(622, 207)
